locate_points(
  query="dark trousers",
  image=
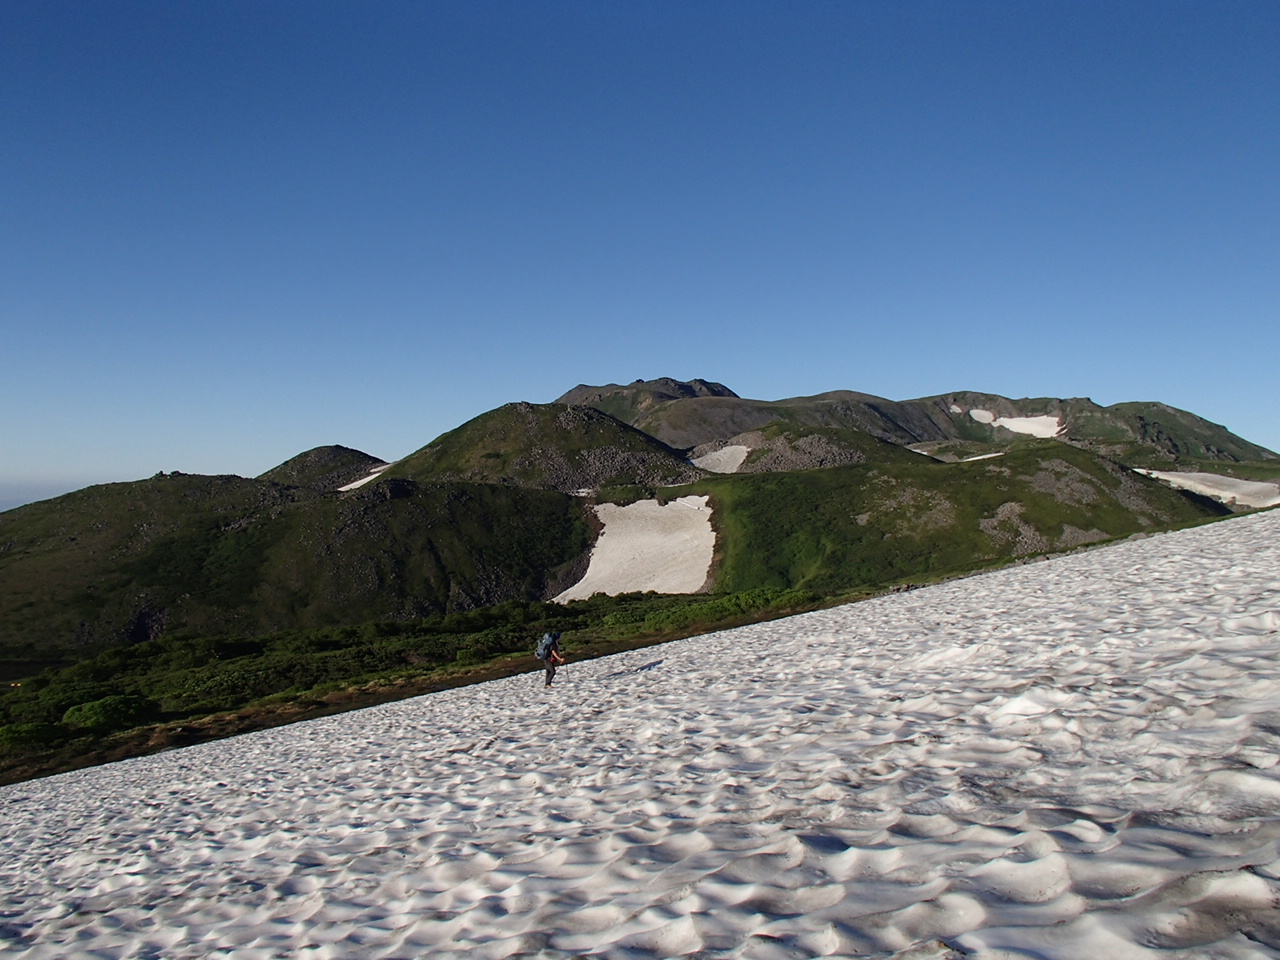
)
(551, 671)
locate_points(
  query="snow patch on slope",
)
(725, 460)
(649, 546)
(1246, 493)
(1043, 427)
(374, 474)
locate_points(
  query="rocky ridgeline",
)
(772, 454)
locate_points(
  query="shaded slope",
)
(127, 562)
(549, 446)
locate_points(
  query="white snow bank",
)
(1074, 758)
(1043, 427)
(649, 546)
(724, 460)
(982, 456)
(1247, 493)
(374, 474)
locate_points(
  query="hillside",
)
(323, 468)
(547, 446)
(122, 563)
(840, 528)
(480, 515)
(629, 402)
(780, 446)
(336, 577)
(1146, 433)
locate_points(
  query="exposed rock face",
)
(783, 452)
(1008, 530)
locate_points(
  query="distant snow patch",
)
(982, 456)
(649, 546)
(957, 409)
(373, 475)
(1043, 427)
(724, 460)
(1246, 493)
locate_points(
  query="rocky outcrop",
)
(323, 468)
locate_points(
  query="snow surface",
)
(1043, 427)
(374, 474)
(1073, 759)
(725, 460)
(1247, 493)
(649, 546)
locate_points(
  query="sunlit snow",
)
(1068, 759)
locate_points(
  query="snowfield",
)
(1068, 759)
(1249, 493)
(374, 474)
(1043, 427)
(649, 545)
(725, 460)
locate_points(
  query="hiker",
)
(548, 651)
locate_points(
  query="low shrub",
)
(27, 736)
(120, 711)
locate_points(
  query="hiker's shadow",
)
(640, 669)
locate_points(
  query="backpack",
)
(543, 650)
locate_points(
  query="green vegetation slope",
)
(548, 446)
(123, 563)
(837, 529)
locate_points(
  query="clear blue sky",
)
(233, 231)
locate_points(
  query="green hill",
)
(547, 446)
(122, 563)
(323, 468)
(627, 403)
(840, 528)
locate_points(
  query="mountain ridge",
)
(173, 598)
(500, 508)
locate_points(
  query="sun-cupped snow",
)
(725, 460)
(1074, 758)
(1246, 493)
(374, 474)
(1043, 427)
(649, 545)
